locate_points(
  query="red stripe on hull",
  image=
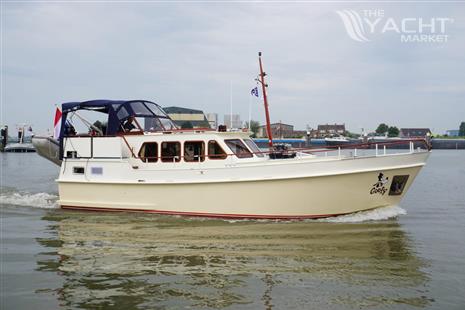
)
(211, 215)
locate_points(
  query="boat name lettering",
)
(379, 187)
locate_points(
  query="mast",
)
(265, 101)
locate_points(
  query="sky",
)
(202, 54)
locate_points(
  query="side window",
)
(215, 151)
(170, 152)
(398, 185)
(238, 148)
(194, 151)
(253, 147)
(149, 152)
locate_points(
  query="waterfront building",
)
(329, 130)
(280, 131)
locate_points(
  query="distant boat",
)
(20, 146)
(317, 141)
(337, 140)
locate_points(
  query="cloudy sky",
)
(189, 53)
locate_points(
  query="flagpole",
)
(250, 112)
(230, 106)
(265, 101)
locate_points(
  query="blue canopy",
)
(118, 111)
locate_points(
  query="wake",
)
(26, 199)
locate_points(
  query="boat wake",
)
(379, 214)
(26, 199)
(370, 215)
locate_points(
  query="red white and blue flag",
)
(57, 124)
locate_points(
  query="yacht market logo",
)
(379, 187)
(361, 27)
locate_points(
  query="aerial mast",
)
(265, 101)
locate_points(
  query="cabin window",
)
(253, 147)
(170, 152)
(149, 152)
(398, 185)
(238, 148)
(215, 151)
(78, 170)
(194, 151)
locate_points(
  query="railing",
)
(380, 149)
(78, 147)
(410, 145)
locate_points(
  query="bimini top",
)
(119, 111)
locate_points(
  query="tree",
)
(462, 129)
(382, 129)
(254, 127)
(393, 131)
(187, 125)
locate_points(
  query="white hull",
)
(300, 188)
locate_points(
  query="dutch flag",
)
(57, 124)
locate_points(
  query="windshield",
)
(255, 149)
(238, 148)
(154, 118)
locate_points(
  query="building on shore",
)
(187, 118)
(236, 121)
(414, 132)
(328, 130)
(280, 131)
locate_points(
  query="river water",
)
(407, 257)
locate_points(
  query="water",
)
(407, 257)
